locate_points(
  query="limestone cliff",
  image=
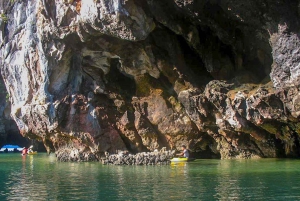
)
(91, 76)
(2, 108)
(9, 132)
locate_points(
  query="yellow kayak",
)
(182, 159)
(32, 153)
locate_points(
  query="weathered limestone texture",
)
(9, 131)
(95, 76)
(161, 157)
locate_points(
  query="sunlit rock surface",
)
(95, 76)
(161, 157)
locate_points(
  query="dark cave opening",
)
(198, 74)
(120, 82)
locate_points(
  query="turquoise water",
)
(41, 177)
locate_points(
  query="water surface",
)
(41, 177)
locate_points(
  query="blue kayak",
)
(10, 147)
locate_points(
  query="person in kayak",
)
(30, 150)
(24, 151)
(185, 153)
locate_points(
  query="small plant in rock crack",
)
(3, 17)
(7, 97)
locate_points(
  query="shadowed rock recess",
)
(9, 132)
(93, 76)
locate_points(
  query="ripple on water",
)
(43, 178)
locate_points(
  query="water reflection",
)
(252, 179)
(58, 181)
(150, 182)
(43, 178)
(20, 182)
(227, 187)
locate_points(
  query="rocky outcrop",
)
(162, 157)
(96, 76)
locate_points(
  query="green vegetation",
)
(144, 85)
(7, 97)
(4, 17)
(3, 91)
(271, 128)
(176, 105)
(6, 6)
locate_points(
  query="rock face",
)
(94, 76)
(3, 134)
(143, 158)
(9, 131)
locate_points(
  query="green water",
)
(41, 177)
